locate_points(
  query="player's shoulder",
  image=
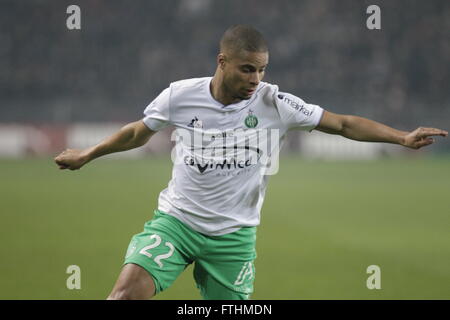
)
(188, 89)
(266, 87)
(280, 98)
(267, 92)
(285, 103)
(186, 85)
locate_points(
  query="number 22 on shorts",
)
(160, 257)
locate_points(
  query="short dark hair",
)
(243, 37)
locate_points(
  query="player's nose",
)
(255, 78)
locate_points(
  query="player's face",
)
(242, 72)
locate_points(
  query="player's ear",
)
(221, 60)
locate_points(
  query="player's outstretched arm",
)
(130, 136)
(362, 129)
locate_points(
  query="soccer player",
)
(209, 212)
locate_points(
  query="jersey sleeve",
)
(296, 113)
(156, 114)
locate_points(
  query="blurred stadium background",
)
(336, 206)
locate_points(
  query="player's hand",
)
(422, 137)
(72, 159)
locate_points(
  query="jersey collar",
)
(231, 107)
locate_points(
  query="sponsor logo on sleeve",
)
(300, 107)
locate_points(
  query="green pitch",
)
(323, 224)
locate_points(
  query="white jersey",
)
(218, 184)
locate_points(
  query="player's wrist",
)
(401, 139)
(87, 155)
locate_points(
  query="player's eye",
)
(247, 69)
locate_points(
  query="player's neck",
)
(220, 92)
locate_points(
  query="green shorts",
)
(223, 269)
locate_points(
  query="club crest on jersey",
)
(251, 121)
(195, 123)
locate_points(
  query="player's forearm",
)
(125, 139)
(362, 129)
